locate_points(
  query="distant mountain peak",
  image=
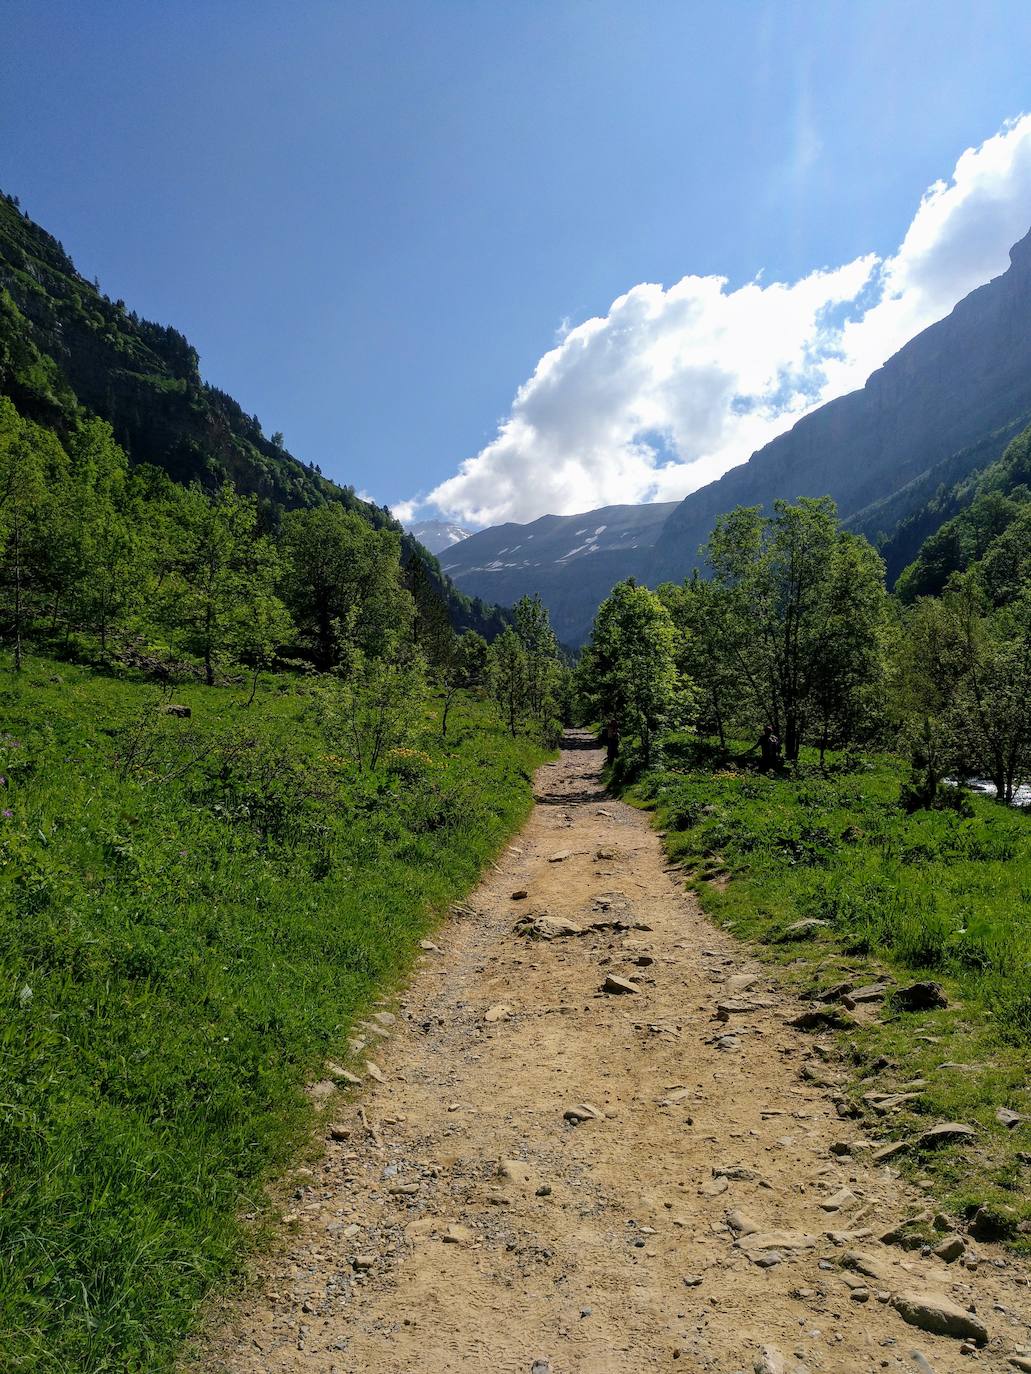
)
(438, 535)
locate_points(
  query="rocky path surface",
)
(589, 1140)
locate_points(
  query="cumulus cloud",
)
(672, 387)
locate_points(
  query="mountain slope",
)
(898, 456)
(900, 523)
(66, 349)
(958, 381)
(990, 526)
(572, 560)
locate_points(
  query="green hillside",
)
(67, 352)
(990, 527)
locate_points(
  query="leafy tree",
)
(963, 675)
(23, 450)
(343, 584)
(223, 571)
(461, 664)
(542, 662)
(628, 672)
(802, 607)
(506, 678)
(701, 616)
(372, 707)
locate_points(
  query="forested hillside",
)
(69, 353)
(979, 522)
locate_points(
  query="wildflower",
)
(8, 813)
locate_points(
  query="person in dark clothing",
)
(768, 745)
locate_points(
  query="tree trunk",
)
(17, 597)
(792, 736)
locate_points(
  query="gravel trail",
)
(554, 1177)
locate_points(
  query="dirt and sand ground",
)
(696, 1219)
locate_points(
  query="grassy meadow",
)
(942, 895)
(194, 910)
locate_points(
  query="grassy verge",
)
(193, 912)
(941, 896)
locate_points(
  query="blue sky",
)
(375, 220)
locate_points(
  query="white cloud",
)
(673, 387)
(404, 511)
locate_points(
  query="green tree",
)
(506, 678)
(344, 584)
(628, 672)
(372, 706)
(542, 662)
(701, 615)
(802, 607)
(964, 669)
(23, 452)
(222, 569)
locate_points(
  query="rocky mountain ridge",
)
(940, 409)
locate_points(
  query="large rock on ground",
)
(939, 1314)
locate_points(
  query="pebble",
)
(584, 1111)
(1005, 1116)
(741, 1224)
(886, 1152)
(614, 984)
(921, 997)
(945, 1133)
(951, 1248)
(560, 856)
(844, 1197)
(872, 992)
(340, 1075)
(713, 1187)
(741, 982)
(519, 894)
(454, 1234)
(770, 1361)
(374, 1071)
(869, 1265)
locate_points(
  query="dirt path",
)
(459, 1222)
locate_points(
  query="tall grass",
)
(193, 913)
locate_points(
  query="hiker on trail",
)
(610, 738)
(768, 745)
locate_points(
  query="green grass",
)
(936, 895)
(189, 926)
